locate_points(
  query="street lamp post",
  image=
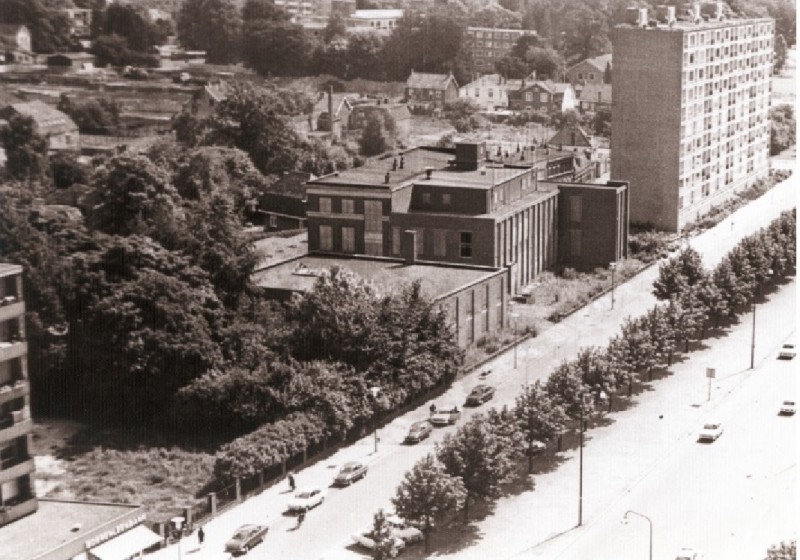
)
(753, 335)
(649, 522)
(375, 391)
(601, 396)
(613, 267)
(514, 315)
(178, 523)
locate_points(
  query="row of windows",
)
(439, 240)
(497, 34)
(733, 68)
(700, 56)
(737, 32)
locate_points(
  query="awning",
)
(127, 544)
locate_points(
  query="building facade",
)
(430, 90)
(589, 71)
(490, 91)
(15, 44)
(594, 97)
(542, 96)
(17, 496)
(488, 45)
(690, 113)
(57, 128)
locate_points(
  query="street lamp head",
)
(612, 265)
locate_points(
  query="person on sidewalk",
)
(301, 516)
(292, 485)
(433, 409)
(201, 536)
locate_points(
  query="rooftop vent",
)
(428, 173)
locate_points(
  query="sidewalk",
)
(331, 524)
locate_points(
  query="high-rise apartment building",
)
(690, 112)
(17, 497)
(489, 45)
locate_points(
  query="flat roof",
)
(50, 526)
(7, 269)
(684, 25)
(436, 280)
(482, 178)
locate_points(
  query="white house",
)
(491, 91)
(381, 21)
(15, 44)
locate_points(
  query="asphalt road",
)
(509, 531)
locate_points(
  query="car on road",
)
(307, 498)
(787, 352)
(446, 415)
(245, 538)
(419, 431)
(711, 431)
(535, 448)
(788, 408)
(687, 554)
(350, 472)
(479, 395)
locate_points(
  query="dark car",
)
(350, 472)
(245, 538)
(419, 431)
(479, 395)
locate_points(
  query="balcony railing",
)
(11, 350)
(16, 424)
(14, 390)
(19, 507)
(11, 310)
(12, 470)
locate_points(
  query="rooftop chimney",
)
(389, 176)
(428, 173)
(402, 161)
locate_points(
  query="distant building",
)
(690, 115)
(594, 97)
(60, 131)
(589, 71)
(490, 91)
(382, 21)
(433, 90)
(283, 206)
(336, 104)
(572, 136)
(545, 95)
(204, 101)
(73, 60)
(300, 8)
(17, 496)
(15, 44)
(488, 45)
(397, 112)
(80, 22)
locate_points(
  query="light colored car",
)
(366, 539)
(400, 528)
(788, 408)
(350, 472)
(446, 415)
(711, 431)
(307, 498)
(419, 431)
(787, 352)
(245, 538)
(687, 554)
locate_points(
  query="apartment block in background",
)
(690, 112)
(488, 44)
(17, 498)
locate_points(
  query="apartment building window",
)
(326, 238)
(395, 241)
(439, 243)
(348, 240)
(420, 241)
(273, 221)
(446, 201)
(575, 208)
(325, 204)
(348, 206)
(426, 200)
(373, 227)
(465, 244)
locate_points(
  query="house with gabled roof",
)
(593, 97)
(60, 131)
(589, 71)
(543, 95)
(572, 136)
(431, 90)
(15, 44)
(491, 91)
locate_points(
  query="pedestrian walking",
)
(291, 482)
(301, 516)
(433, 409)
(201, 536)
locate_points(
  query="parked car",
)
(419, 431)
(788, 408)
(535, 448)
(245, 538)
(446, 415)
(687, 554)
(711, 431)
(787, 352)
(307, 498)
(400, 528)
(479, 395)
(350, 472)
(366, 539)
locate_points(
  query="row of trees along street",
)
(264, 37)
(483, 455)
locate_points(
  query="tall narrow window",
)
(439, 243)
(348, 240)
(465, 246)
(325, 204)
(575, 208)
(348, 206)
(326, 238)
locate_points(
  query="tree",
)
(373, 138)
(133, 24)
(426, 494)
(781, 51)
(213, 26)
(271, 43)
(607, 73)
(114, 50)
(381, 534)
(538, 416)
(567, 389)
(678, 274)
(475, 456)
(67, 170)
(601, 122)
(782, 128)
(26, 150)
(93, 116)
(783, 551)
(335, 29)
(49, 27)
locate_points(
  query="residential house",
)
(490, 92)
(545, 95)
(284, 205)
(15, 44)
(398, 113)
(594, 97)
(589, 71)
(380, 21)
(488, 45)
(430, 90)
(337, 104)
(73, 60)
(205, 99)
(571, 136)
(60, 131)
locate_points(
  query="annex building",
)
(690, 111)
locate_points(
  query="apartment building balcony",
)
(11, 309)
(15, 469)
(16, 424)
(14, 390)
(19, 507)
(11, 350)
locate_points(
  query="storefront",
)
(123, 542)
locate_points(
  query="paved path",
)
(325, 533)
